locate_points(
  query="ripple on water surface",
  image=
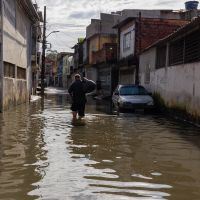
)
(44, 156)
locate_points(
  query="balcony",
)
(108, 54)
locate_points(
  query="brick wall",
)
(149, 31)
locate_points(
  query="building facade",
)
(36, 58)
(171, 68)
(51, 68)
(135, 34)
(114, 42)
(68, 66)
(78, 58)
(102, 40)
(17, 21)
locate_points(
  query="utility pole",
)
(43, 54)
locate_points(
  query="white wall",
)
(15, 45)
(17, 37)
(147, 59)
(178, 85)
(131, 51)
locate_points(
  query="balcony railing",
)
(108, 54)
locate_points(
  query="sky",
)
(70, 17)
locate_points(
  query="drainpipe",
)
(1, 57)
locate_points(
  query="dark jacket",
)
(76, 90)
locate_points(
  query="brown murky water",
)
(131, 156)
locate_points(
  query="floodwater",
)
(128, 156)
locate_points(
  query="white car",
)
(132, 97)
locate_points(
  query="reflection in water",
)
(104, 106)
(43, 156)
(21, 151)
(110, 156)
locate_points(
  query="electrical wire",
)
(60, 43)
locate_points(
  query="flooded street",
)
(130, 156)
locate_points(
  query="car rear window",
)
(132, 90)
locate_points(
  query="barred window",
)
(186, 49)
(161, 56)
(192, 47)
(176, 52)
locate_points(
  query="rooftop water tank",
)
(191, 5)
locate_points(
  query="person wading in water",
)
(77, 92)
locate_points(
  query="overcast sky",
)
(71, 17)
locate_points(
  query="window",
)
(176, 52)
(21, 73)
(133, 90)
(192, 47)
(186, 49)
(127, 41)
(161, 56)
(9, 70)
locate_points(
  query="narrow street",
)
(128, 156)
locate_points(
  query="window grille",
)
(161, 56)
(176, 52)
(192, 47)
(185, 50)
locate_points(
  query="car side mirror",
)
(150, 93)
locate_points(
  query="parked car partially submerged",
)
(132, 97)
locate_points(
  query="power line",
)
(61, 43)
(67, 34)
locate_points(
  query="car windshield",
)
(132, 90)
